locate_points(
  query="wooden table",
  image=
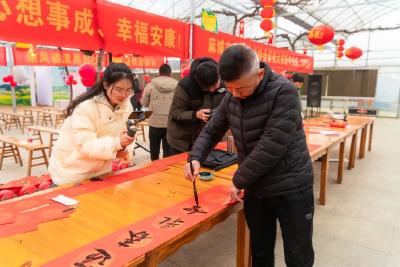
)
(110, 209)
(52, 131)
(15, 144)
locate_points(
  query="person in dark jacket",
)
(135, 99)
(263, 112)
(195, 98)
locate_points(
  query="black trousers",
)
(156, 136)
(295, 213)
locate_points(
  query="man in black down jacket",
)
(263, 112)
(194, 98)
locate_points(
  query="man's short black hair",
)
(297, 78)
(165, 69)
(235, 61)
(206, 74)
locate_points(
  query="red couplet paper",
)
(43, 209)
(129, 243)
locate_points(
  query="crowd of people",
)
(239, 93)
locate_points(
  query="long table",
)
(314, 127)
(117, 206)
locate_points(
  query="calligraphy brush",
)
(196, 197)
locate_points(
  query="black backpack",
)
(219, 159)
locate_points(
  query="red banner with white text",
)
(280, 59)
(128, 30)
(64, 23)
(51, 57)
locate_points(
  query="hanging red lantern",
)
(321, 35)
(353, 52)
(339, 54)
(267, 12)
(267, 2)
(340, 42)
(340, 48)
(267, 25)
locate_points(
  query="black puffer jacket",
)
(183, 126)
(268, 132)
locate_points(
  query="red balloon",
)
(267, 12)
(87, 71)
(6, 79)
(88, 82)
(321, 35)
(6, 194)
(27, 189)
(267, 25)
(353, 52)
(267, 2)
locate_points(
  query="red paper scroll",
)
(133, 241)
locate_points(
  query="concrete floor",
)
(359, 226)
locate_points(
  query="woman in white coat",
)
(94, 132)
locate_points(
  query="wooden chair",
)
(27, 120)
(10, 151)
(12, 120)
(30, 147)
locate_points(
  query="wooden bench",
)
(11, 145)
(37, 130)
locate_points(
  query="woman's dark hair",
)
(113, 73)
(206, 74)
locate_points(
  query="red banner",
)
(213, 44)
(51, 57)
(128, 30)
(65, 23)
(136, 62)
(3, 57)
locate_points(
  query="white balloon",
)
(20, 74)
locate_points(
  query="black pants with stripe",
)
(295, 214)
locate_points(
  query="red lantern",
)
(267, 12)
(353, 52)
(339, 54)
(267, 25)
(321, 35)
(340, 48)
(340, 42)
(267, 2)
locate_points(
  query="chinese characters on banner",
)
(91, 25)
(212, 45)
(51, 57)
(3, 57)
(65, 23)
(137, 62)
(129, 30)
